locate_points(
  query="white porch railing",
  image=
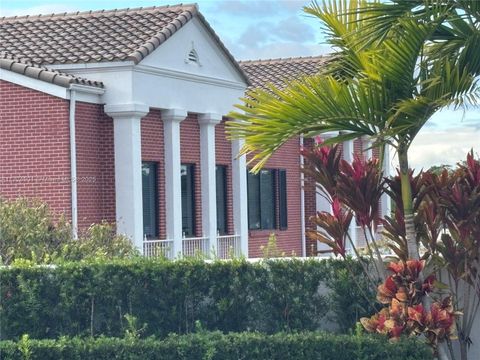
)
(158, 248)
(195, 246)
(228, 246)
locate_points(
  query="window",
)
(221, 183)
(150, 200)
(188, 199)
(282, 199)
(266, 191)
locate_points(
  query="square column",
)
(348, 152)
(128, 169)
(240, 195)
(173, 186)
(367, 147)
(207, 124)
(386, 205)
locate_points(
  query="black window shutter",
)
(282, 199)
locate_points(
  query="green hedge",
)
(91, 299)
(212, 346)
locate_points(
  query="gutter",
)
(302, 201)
(73, 164)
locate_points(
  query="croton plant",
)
(403, 293)
(446, 207)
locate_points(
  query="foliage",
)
(216, 346)
(92, 298)
(403, 293)
(447, 222)
(29, 231)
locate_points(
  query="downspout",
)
(73, 165)
(302, 201)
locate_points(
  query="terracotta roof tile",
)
(44, 74)
(96, 36)
(92, 36)
(277, 71)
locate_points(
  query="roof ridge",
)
(97, 12)
(289, 59)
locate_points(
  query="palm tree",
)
(395, 65)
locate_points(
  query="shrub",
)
(30, 232)
(216, 346)
(93, 298)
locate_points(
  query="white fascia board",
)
(35, 84)
(102, 66)
(180, 75)
(85, 93)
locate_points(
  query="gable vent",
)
(192, 56)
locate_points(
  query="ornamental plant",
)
(403, 293)
(446, 207)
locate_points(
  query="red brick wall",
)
(153, 150)
(290, 240)
(310, 204)
(190, 154)
(223, 155)
(34, 146)
(95, 165)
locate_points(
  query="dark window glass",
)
(253, 201)
(267, 199)
(188, 199)
(221, 183)
(150, 200)
(282, 199)
(262, 200)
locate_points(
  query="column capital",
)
(133, 109)
(209, 119)
(176, 115)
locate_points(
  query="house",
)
(119, 115)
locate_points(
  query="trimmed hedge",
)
(91, 299)
(216, 346)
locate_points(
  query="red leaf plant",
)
(403, 292)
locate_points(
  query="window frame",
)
(153, 166)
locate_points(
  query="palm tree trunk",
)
(410, 234)
(407, 202)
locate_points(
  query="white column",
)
(128, 168)
(208, 178)
(173, 188)
(348, 152)
(387, 171)
(240, 196)
(367, 147)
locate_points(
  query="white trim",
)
(84, 93)
(207, 124)
(181, 75)
(73, 165)
(95, 65)
(240, 195)
(348, 155)
(128, 168)
(35, 84)
(302, 201)
(173, 188)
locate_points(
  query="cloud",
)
(293, 29)
(438, 147)
(265, 8)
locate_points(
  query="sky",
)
(266, 29)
